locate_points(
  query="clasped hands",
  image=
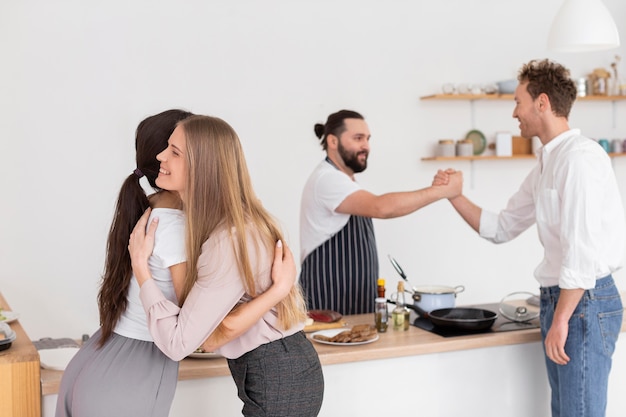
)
(451, 181)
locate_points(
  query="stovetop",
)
(502, 324)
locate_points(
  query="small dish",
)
(56, 359)
(8, 336)
(478, 139)
(8, 316)
(334, 332)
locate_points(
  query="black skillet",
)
(461, 318)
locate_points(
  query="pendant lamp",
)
(582, 26)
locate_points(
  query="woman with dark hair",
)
(119, 371)
(229, 246)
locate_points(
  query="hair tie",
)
(138, 173)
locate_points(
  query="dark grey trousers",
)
(280, 379)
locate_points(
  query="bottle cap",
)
(381, 282)
(400, 286)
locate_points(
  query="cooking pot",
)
(429, 297)
(434, 297)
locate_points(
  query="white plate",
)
(334, 332)
(8, 316)
(56, 359)
(205, 355)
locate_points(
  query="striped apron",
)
(341, 273)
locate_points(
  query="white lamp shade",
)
(581, 26)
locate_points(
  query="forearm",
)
(398, 204)
(141, 270)
(389, 205)
(469, 211)
(568, 300)
(242, 318)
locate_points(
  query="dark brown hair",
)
(551, 79)
(334, 125)
(150, 139)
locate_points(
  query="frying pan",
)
(461, 318)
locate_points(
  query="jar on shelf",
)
(616, 146)
(445, 147)
(465, 147)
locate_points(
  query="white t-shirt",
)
(169, 250)
(323, 192)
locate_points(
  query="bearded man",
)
(337, 242)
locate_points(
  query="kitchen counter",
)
(397, 372)
(391, 344)
(19, 374)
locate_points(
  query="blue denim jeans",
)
(579, 389)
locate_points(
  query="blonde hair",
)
(219, 194)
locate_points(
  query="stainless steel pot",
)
(430, 297)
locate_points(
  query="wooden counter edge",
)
(20, 374)
(390, 345)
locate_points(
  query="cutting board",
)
(319, 325)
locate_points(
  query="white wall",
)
(77, 77)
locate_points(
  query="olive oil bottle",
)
(400, 314)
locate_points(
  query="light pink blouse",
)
(180, 331)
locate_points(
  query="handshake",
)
(449, 182)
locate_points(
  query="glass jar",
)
(381, 315)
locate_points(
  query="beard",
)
(351, 159)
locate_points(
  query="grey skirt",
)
(124, 378)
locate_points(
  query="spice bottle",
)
(381, 315)
(381, 287)
(400, 314)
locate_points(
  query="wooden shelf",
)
(492, 157)
(509, 97)
(476, 157)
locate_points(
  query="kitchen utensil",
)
(478, 140)
(507, 86)
(460, 318)
(429, 297)
(56, 359)
(515, 307)
(8, 336)
(433, 297)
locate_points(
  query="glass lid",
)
(519, 306)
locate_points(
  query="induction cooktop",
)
(502, 324)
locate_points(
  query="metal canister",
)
(616, 146)
(445, 147)
(465, 147)
(581, 87)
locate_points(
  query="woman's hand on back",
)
(283, 270)
(140, 246)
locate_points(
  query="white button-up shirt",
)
(573, 197)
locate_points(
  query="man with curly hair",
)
(572, 196)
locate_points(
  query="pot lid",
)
(516, 307)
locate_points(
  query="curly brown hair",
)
(552, 79)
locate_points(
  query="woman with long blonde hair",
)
(229, 241)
